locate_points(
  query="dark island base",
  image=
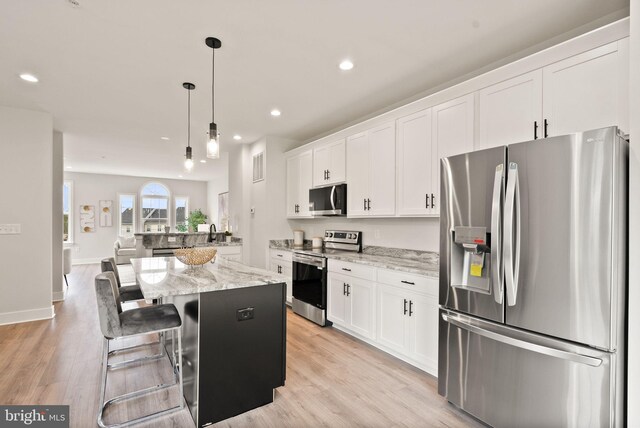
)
(241, 351)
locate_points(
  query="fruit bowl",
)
(195, 256)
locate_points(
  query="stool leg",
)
(103, 385)
(65, 280)
(180, 367)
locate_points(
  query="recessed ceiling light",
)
(29, 77)
(164, 138)
(346, 65)
(275, 112)
(237, 137)
(203, 161)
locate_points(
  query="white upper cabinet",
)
(587, 91)
(371, 172)
(414, 163)
(329, 164)
(299, 170)
(453, 123)
(510, 111)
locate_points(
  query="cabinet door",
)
(361, 306)
(321, 163)
(391, 317)
(336, 306)
(511, 111)
(305, 182)
(423, 331)
(381, 200)
(357, 173)
(414, 164)
(582, 92)
(337, 165)
(288, 271)
(452, 135)
(293, 185)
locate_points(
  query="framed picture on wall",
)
(223, 212)
(87, 219)
(106, 213)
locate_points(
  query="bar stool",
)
(116, 323)
(128, 293)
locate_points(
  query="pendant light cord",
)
(213, 79)
(188, 117)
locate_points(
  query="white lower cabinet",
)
(280, 262)
(351, 303)
(408, 325)
(395, 311)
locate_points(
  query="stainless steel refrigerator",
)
(533, 254)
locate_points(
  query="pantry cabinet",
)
(414, 160)
(452, 134)
(329, 163)
(371, 172)
(299, 180)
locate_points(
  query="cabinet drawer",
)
(410, 281)
(352, 269)
(283, 255)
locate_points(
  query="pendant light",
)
(188, 161)
(213, 146)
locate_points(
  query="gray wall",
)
(58, 285)
(90, 189)
(26, 182)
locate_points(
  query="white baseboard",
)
(58, 296)
(28, 315)
(89, 261)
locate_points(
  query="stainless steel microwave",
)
(329, 200)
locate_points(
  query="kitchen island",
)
(233, 327)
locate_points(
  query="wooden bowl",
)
(195, 256)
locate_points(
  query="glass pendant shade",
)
(188, 162)
(213, 145)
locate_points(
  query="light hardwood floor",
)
(333, 380)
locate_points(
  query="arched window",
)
(154, 198)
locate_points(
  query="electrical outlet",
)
(171, 239)
(9, 229)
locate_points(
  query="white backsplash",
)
(411, 233)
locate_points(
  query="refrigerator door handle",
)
(496, 235)
(512, 234)
(512, 341)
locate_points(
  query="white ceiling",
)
(111, 72)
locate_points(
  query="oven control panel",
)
(343, 236)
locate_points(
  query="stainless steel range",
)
(310, 274)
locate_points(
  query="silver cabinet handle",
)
(496, 235)
(408, 282)
(512, 341)
(405, 306)
(511, 234)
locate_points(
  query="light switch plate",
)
(171, 239)
(9, 229)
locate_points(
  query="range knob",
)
(326, 234)
(349, 236)
(330, 234)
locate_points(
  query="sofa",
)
(124, 249)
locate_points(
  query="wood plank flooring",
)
(333, 380)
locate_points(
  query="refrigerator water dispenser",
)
(470, 260)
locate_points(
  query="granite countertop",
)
(410, 261)
(167, 276)
(220, 244)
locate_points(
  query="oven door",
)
(310, 280)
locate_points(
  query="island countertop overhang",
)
(160, 277)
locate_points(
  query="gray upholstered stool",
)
(116, 323)
(127, 292)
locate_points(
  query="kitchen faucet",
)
(211, 237)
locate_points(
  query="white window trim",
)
(133, 217)
(71, 216)
(141, 196)
(175, 208)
